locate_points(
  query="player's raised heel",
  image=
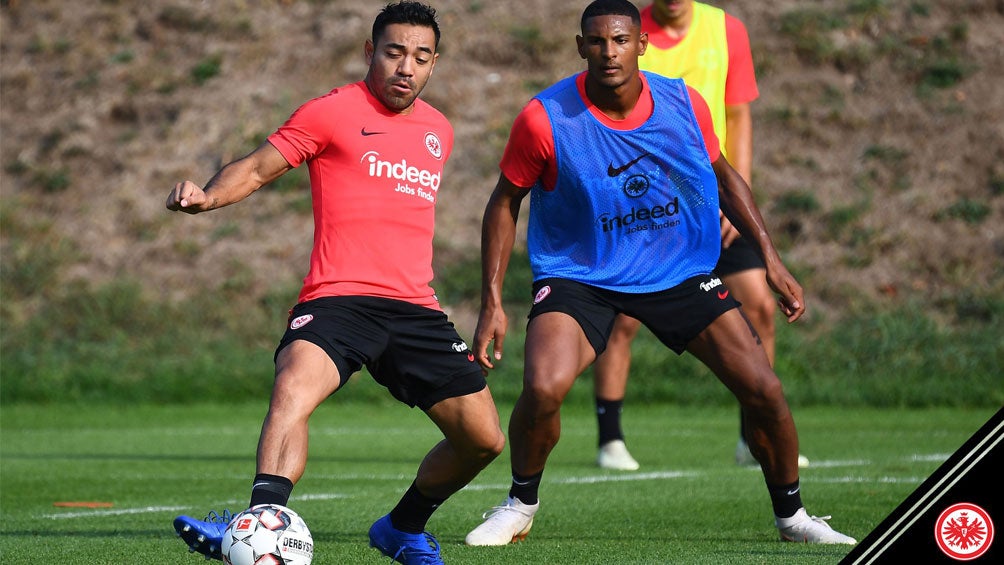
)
(810, 529)
(507, 523)
(204, 536)
(744, 458)
(615, 455)
(403, 547)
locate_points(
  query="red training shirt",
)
(374, 180)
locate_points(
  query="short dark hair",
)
(405, 12)
(611, 8)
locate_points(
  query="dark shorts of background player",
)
(675, 315)
(737, 257)
(413, 351)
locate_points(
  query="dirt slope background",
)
(879, 136)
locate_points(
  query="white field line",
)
(321, 496)
(659, 475)
(155, 509)
(114, 512)
(364, 477)
(838, 463)
(594, 479)
(227, 431)
(939, 457)
(885, 480)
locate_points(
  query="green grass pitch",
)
(689, 503)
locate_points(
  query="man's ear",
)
(433, 67)
(368, 50)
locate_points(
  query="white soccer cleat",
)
(508, 523)
(744, 457)
(614, 455)
(803, 528)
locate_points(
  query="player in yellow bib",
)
(710, 50)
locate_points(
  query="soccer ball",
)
(267, 534)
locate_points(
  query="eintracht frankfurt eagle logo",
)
(434, 146)
(964, 531)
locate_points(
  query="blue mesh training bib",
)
(632, 211)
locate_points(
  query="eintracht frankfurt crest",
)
(964, 531)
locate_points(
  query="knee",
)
(761, 313)
(492, 448)
(287, 403)
(624, 331)
(543, 397)
(766, 397)
(483, 449)
(284, 399)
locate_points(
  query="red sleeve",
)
(703, 114)
(740, 83)
(306, 133)
(529, 154)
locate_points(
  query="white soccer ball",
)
(267, 534)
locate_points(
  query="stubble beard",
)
(392, 101)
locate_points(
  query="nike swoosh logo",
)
(364, 132)
(613, 172)
(722, 295)
(792, 492)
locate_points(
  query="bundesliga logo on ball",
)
(267, 534)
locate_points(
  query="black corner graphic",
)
(952, 516)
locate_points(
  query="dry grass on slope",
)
(878, 154)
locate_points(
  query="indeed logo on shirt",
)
(642, 219)
(399, 171)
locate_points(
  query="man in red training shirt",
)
(375, 153)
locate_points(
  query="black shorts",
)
(675, 315)
(413, 351)
(738, 257)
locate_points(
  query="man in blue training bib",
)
(625, 177)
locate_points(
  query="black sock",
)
(525, 488)
(414, 510)
(608, 416)
(270, 489)
(786, 499)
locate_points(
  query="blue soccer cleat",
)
(402, 547)
(204, 536)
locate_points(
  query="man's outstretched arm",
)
(233, 183)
